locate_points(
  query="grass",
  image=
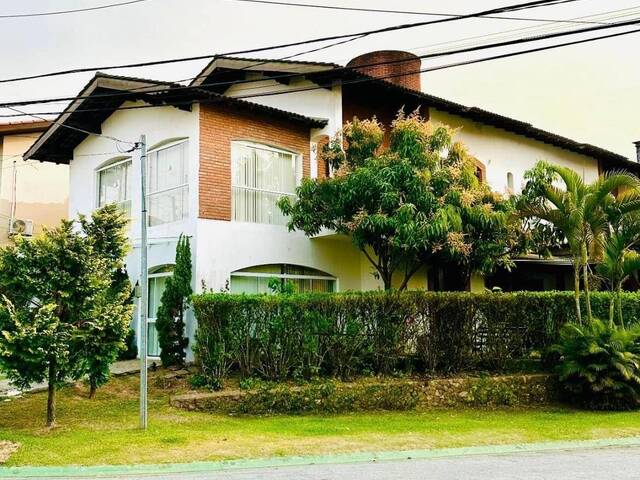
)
(104, 430)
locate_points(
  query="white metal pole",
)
(143, 283)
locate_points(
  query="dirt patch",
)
(7, 449)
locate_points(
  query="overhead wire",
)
(470, 49)
(370, 79)
(507, 8)
(66, 12)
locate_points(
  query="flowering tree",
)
(413, 202)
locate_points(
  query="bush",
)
(329, 397)
(599, 365)
(130, 352)
(488, 392)
(358, 333)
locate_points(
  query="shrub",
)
(488, 392)
(329, 397)
(130, 350)
(599, 365)
(357, 333)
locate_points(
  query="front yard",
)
(104, 430)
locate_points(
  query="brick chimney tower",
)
(400, 68)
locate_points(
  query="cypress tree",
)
(174, 303)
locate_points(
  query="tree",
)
(582, 212)
(174, 303)
(54, 290)
(619, 260)
(404, 206)
(104, 334)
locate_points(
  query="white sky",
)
(589, 92)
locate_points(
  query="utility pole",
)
(12, 215)
(143, 282)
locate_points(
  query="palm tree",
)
(619, 261)
(581, 211)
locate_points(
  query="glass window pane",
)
(303, 281)
(260, 177)
(153, 346)
(114, 186)
(167, 185)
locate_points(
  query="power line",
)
(507, 43)
(370, 79)
(509, 8)
(108, 137)
(65, 12)
(608, 16)
(613, 14)
(407, 12)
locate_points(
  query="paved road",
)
(605, 463)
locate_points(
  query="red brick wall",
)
(219, 126)
(400, 68)
(323, 165)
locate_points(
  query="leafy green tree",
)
(103, 335)
(581, 211)
(408, 204)
(54, 290)
(174, 302)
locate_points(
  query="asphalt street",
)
(604, 463)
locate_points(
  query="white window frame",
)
(298, 168)
(148, 194)
(287, 276)
(107, 166)
(150, 319)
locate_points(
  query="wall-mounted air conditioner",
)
(21, 227)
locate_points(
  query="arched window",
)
(256, 279)
(157, 283)
(510, 182)
(114, 183)
(260, 176)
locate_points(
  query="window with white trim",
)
(261, 175)
(157, 283)
(114, 184)
(168, 184)
(256, 279)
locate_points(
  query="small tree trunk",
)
(92, 387)
(51, 398)
(585, 279)
(611, 308)
(386, 280)
(619, 302)
(576, 290)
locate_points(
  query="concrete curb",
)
(176, 468)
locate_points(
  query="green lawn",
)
(103, 430)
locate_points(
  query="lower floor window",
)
(263, 278)
(157, 283)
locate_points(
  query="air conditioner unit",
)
(21, 227)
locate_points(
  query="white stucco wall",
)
(503, 152)
(319, 103)
(224, 247)
(158, 124)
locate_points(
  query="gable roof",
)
(325, 73)
(104, 94)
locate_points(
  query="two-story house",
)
(223, 149)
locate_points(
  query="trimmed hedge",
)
(355, 333)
